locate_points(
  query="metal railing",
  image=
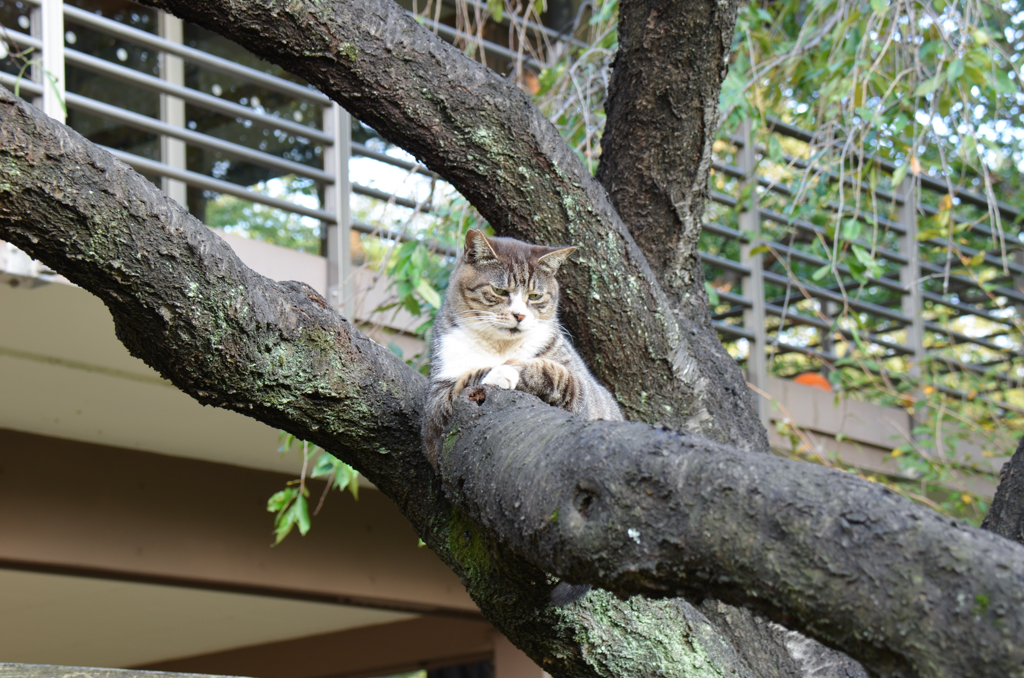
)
(803, 287)
(49, 43)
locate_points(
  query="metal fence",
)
(924, 272)
(142, 57)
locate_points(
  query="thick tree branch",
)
(656, 151)
(483, 134)
(801, 543)
(639, 510)
(662, 110)
(183, 302)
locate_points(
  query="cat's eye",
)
(500, 291)
(534, 296)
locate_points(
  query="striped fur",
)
(498, 325)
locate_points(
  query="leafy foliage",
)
(290, 506)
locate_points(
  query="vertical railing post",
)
(910, 281)
(336, 198)
(753, 284)
(48, 26)
(172, 109)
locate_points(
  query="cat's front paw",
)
(502, 376)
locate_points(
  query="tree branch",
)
(638, 510)
(482, 133)
(656, 153)
(662, 110)
(751, 528)
(183, 302)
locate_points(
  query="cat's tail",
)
(565, 593)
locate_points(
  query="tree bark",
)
(756, 529)
(1006, 516)
(656, 154)
(653, 512)
(183, 302)
(662, 116)
(482, 133)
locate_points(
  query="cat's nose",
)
(519, 316)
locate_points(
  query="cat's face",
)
(505, 289)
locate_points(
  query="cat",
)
(499, 325)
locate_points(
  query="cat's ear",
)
(549, 263)
(478, 249)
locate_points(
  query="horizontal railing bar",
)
(823, 293)
(366, 152)
(723, 198)
(728, 170)
(808, 227)
(967, 396)
(735, 299)
(964, 308)
(722, 262)
(931, 211)
(805, 350)
(193, 96)
(198, 180)
(998, 290)
(719, 229)
(388, 197)
(800, 255)
(197, 139)
(955, 364)
(733, 330)
(388, 234)
(195, 56)
(800, 319)
(964, 339)
(13, 81)
(867, 218)
(78, 101)
(976, 199)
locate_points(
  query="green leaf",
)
(900, 123)
(775, 150)
(712, 294)
(928, 86)
(497, 9)
(280, 500)
(821, 272)
(900, 173)
(955, 70)
(879, 7)
(1001, 82)
(851, 229)
(428, 293)
(867, 261)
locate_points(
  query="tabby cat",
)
(498, 325)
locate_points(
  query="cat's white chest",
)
(461, 351)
